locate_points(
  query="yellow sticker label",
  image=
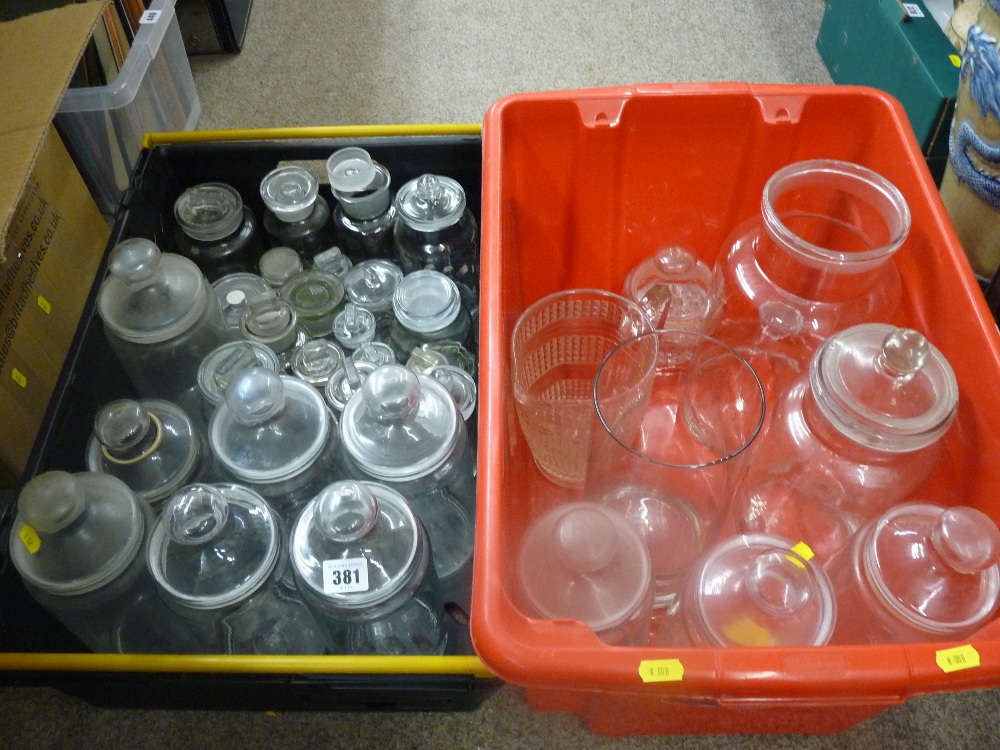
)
(661, 670)
(802, 550)
(44, 304)
(30, 538)
(955, 659)
(955, 60)
(19, 378)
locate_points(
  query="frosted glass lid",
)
(225, 362)
(209, 212)
(372, 284)
(289, 192)
(400, 425)
(213, 545)
(279, 264)
(75, 532)
(757, 590)
(360, 185)
(884, 387)
(270, 427)
(584, 562)
(431, 203)
(150, 445)
(426, 301)
(313, 293)
(936, 568)
(150, 297)
(356, 544)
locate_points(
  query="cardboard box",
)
(53, 237)
(899, 48)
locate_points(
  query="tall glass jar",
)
(217, 230)
(297, 216)
(822, 247)
(161, 317)
(363, 562)
(364, 215)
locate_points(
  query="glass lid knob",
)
(585, 540)
(904, 353)
(391, 393)
(346, 511)
(122, 425)
(196, 515)
(134, 260)
(967, 539)
(255, 395)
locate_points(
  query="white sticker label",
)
(345, 576)
(913, 10)
(150, 16)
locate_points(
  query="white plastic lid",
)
(426, 301)
(213, 545)
(270, 427)
(401, 425)
(289, 192)
(431, 203)
(150, 297)
(350, 170)
(886, 388)
(210, 211)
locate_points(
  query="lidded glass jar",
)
(223, 364)
(297, 216)
(279, 264)
(823, 246)
(219, 558)
(151, 445)
(273, 322)
(377, 352)
(275, 435)
(233, 291)
(858, 433)
(354, 326)
(405, 431)
(78, 542)
(363, 563)
(161, 317)
(428, 308)
(316, 361)
(316, 296)
(582, 561)
(675, 290)
(345, 382)
(364, 215)
(435, 229)
(918, 573)
(333, 261)
(371, 284)
(216, 229)
(754, 590)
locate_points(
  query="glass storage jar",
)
(296, 215)
(217, 230)
(364, 216)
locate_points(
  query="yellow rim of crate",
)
(327, 131)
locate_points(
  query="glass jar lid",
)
(345, 382)
(936, 568)
(355, 544)
(333, 261)
(270, 320)
(279, 264)
(886, 388)
(316, 360)
(233, 291)
(460, 384)
(426, 301)
(372, 284)
(75, 533)
(350, 170)
(757, 590)
(289, 192)
(209, 211)
(213, 545)
(377, 352)
(401, 425)
(151, 445)
(354, 326)
(222, 364)
(150, 297)
(315, 295)
(584, 562)
(270, 427)
(430, 203)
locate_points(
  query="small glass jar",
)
(151, 445)
(428, 309)
(405, 431)
(316, 296)
(273, 322)
(345, 382)
(675, 290)
(219, 557)
(363, 563)
(371, 284)
(217, 230)
(279, 264)
(435, 229)
(296, 215)
(377, 352)
(316, 361)
(919, 573)
(233, 291)
(275, 435)
(858, 433)
(161, 317)
(77, 542)
(354, 326)
(223, 364)
(364, 216)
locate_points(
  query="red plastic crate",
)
(578, 187)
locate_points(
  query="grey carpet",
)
(321, 62)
